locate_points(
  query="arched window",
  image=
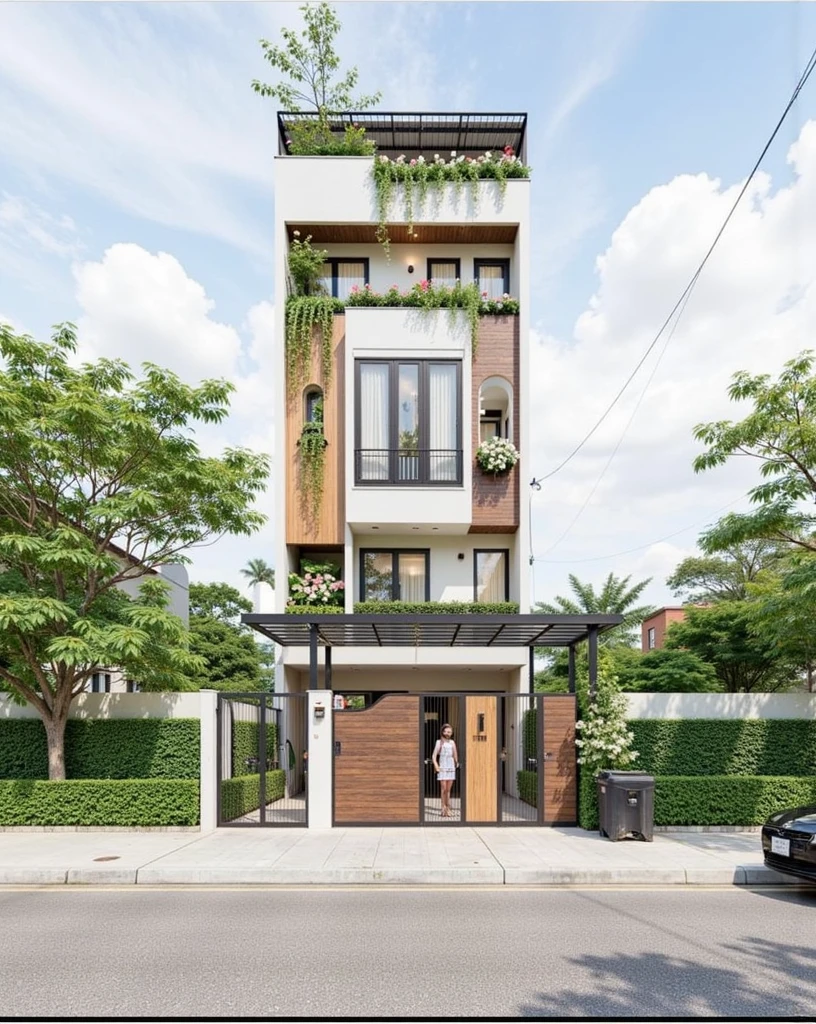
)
(495, 409)
(313, 404)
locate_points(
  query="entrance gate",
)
(261, 752)
(516, 752)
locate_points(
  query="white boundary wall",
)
(721, 705)
(117, 705)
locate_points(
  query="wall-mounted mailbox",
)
(319, 711)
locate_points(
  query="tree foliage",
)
(725, 577)
(258, 571)
(616, 597)
(783, 611)
(218, 601)
(310, 67)
(232, 658)
(666, 671)
(101, 483)
(780, 432)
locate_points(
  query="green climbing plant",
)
(312, 454)
(308, 316)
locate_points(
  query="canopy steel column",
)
(531, 680)
(593, 662)
(571, 677)
(314, 681)
(327, 674)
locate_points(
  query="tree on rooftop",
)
(101, 483)
(310, 67)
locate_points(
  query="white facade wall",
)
(116, 705)
(721, 705)
(445, 659)
(422, 680)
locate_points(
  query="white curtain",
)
(491, 280)
(443, 273)
(442, 421)
(412, 577)
(374, 421)
(348, 275)
(490, 576)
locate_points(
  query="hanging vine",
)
(312, 454)
(308, 316)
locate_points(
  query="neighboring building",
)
(653, 630)
(415, 520)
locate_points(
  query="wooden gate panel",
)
(377, 772)
(481, 762)
(560, 770)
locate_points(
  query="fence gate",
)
(262, 750)
(516, 752)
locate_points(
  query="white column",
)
(321, 759)
(209, 768)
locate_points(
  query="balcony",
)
(397, 467)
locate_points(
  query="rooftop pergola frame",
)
(410, 630)
(421, 133)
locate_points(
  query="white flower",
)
(420, 159)
(453, 152)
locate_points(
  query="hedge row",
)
(246, 745)
(699, 746)
(528, 787)
(711, 799)
(124, 802)
(242, 794)
(435, 608)
(116, 748)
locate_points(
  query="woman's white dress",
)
(444, 755)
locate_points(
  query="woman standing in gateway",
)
(446, 761)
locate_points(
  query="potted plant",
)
(496, 455)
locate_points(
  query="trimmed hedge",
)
(711, 799)
(115, 748)
(124, 802)
(435, 608)
(246, 744)
(242, 794)
(700, 746)
(528, 787)
(313, 609)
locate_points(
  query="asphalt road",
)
(430, 953)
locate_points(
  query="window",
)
(490, 424)
(132, 687)
(341, 275)
(408, 422)
(493, 277)
(445, 272)
(100, 682)
(387, 575)
(650, 638)
(313, 405)
(491, 576)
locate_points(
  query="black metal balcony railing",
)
(395, 467)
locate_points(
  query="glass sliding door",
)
(374, 415)
(408, 398)
(442, 422)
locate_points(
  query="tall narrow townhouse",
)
(381, 420)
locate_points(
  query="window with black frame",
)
(391, 575)
(408, 422)
(491, 576)
(340, 276)
(444, 272)
(492, 277)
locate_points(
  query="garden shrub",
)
(97, 802)
(246, 745)
(435, 608)
(727, 799)
(528, 787)
(242, 794)
(115, 748)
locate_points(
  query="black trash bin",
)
(626, 805)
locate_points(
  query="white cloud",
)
(144, 307)
(754, 307)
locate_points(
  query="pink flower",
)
(484, 295)
(368, 287)
(354, 289)
(508, 151)
(413, 163)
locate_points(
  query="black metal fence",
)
(397, 466)
(262, 756)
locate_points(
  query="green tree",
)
(725, 577)
(616, 597)
(258, 571)
(311, 66)
(232, 657)
(723, 637)
(783, 612)
(780, 432)
(101, 483)
(665, 671)
(218, 601)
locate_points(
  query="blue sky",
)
(135, 124)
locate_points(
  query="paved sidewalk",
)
(397, 856)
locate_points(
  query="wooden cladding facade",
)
(560, 769)
(496, 498)
(482, 759)
(328, 526)
(376, 766)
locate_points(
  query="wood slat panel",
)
(560, 770)
(329, 526)
(481, 765)
(430, 234)
(377, 773)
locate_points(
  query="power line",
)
(642, 547)
(690, 286)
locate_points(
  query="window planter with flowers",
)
(319, 587)
(425, 295)
(496, 455)
(417, 177)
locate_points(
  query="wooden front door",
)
(481, 759)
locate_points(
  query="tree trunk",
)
(810, 677)
(55, 735)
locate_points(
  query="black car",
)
(789, 842)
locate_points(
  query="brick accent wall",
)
(496, 499)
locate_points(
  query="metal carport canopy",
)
(417, 630)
